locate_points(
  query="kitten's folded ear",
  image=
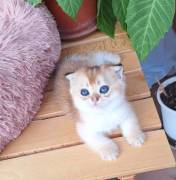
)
(70, 76)
(118, 69)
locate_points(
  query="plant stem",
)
(161, 88)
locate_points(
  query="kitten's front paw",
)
(136, 139)
(109, 151)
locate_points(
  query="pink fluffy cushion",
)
(29, 50)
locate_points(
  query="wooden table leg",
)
(131, 177)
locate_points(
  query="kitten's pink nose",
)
(95, 98)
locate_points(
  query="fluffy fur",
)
(98, 114)
(29, 49)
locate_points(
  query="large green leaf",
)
(120, 11)
(34, 2)
(105, 17)
(147, 22)
(70, 7)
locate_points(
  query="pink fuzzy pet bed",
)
(29, 50)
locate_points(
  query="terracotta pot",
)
(84, 24)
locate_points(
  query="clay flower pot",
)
(84, 24)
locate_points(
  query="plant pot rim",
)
(165, 83)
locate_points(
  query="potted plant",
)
(74, 22)
(166, 96)
(145, 21)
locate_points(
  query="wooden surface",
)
(119, 44)
(50, 149)
(60, 131)
(92, 38)
(79, 163)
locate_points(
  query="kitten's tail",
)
(96, 58)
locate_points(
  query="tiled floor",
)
(167, 174)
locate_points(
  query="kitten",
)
(92, 88)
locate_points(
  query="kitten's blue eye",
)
(84, 92)
(104, 89)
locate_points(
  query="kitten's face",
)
(96, 87)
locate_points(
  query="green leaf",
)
(105, 17)
(70, 7)
(34, 2)
(120, 11)
(147, 22)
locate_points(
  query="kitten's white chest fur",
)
(101, 121)
(106, 119)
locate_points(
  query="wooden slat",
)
(92, 38)
(60, 131)
(136, 89)
(119, 44)
(130, 61)
(80, 163)
(49, 107)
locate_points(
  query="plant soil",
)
(170, 99)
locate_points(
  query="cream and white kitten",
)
(95, 92)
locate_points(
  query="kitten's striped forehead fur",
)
(91, 73)
(94, 73)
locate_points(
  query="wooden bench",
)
(50, 149)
